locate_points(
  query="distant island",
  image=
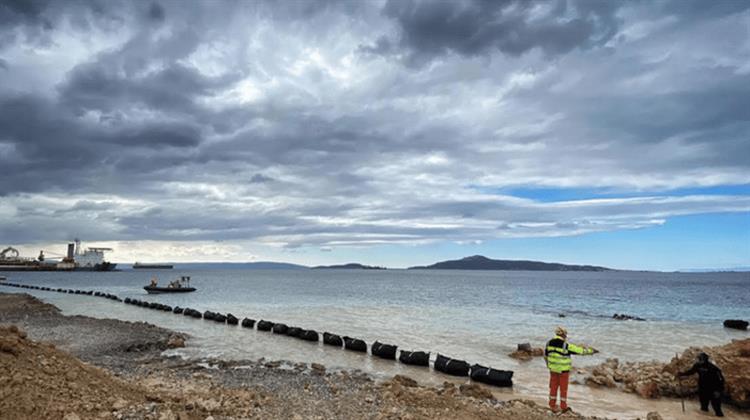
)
(350, 266)
(479, 262)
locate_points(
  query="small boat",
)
(178, 286)
(3, 278)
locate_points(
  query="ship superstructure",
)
(89, 259)
(76, 259)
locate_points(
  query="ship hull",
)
(158, 290)
(105, 266)
(153, 266)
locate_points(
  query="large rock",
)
(525, 352)
(654, 379)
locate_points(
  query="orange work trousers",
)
(558, 381)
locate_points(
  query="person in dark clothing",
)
(710, 383)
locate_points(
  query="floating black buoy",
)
(415, 358)
(736, 324)
(332, 339)
(293, 331)
(279, 329)
(355, 344)
(309, 335)
(265, 325)
(248, 323)
(451, 366)
(384, 351)
(485, 375)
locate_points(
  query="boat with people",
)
(182, 285)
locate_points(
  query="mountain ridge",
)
(480, 262)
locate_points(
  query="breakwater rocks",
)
(654, 379)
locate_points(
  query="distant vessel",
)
(77, 259)
(138, 265)
(177, 286)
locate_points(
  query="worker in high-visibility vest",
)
(557, 355)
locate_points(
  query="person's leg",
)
(554, 383)
(564, 390)
(716, 404)
(704, 398)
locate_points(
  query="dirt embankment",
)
(41, 382)
(654, 379)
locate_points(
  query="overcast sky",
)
(385, 132)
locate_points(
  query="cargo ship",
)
(138, 265)
(76, 259)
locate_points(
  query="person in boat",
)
(710, 383)
(153, 281)
(557, 355)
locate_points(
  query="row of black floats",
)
(70, 291)
(447, 365)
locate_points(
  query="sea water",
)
(478, 316)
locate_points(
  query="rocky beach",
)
(54, 366)
(76, 367)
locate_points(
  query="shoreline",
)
(132, 351)
(163, 387)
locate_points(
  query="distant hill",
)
(351, 266)
(479, 262)
(260, 265)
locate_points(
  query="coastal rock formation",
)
(525, 352)
(176, 341)
(654, 379)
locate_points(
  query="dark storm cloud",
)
(263, 121)
(428, 29)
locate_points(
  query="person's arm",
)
(573, 348)
(721, 378)
(690, 371)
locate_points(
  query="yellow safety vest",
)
(558, 354)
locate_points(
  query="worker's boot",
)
(553, 405)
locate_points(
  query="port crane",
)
(14, 254)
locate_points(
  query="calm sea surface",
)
(478, 316)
